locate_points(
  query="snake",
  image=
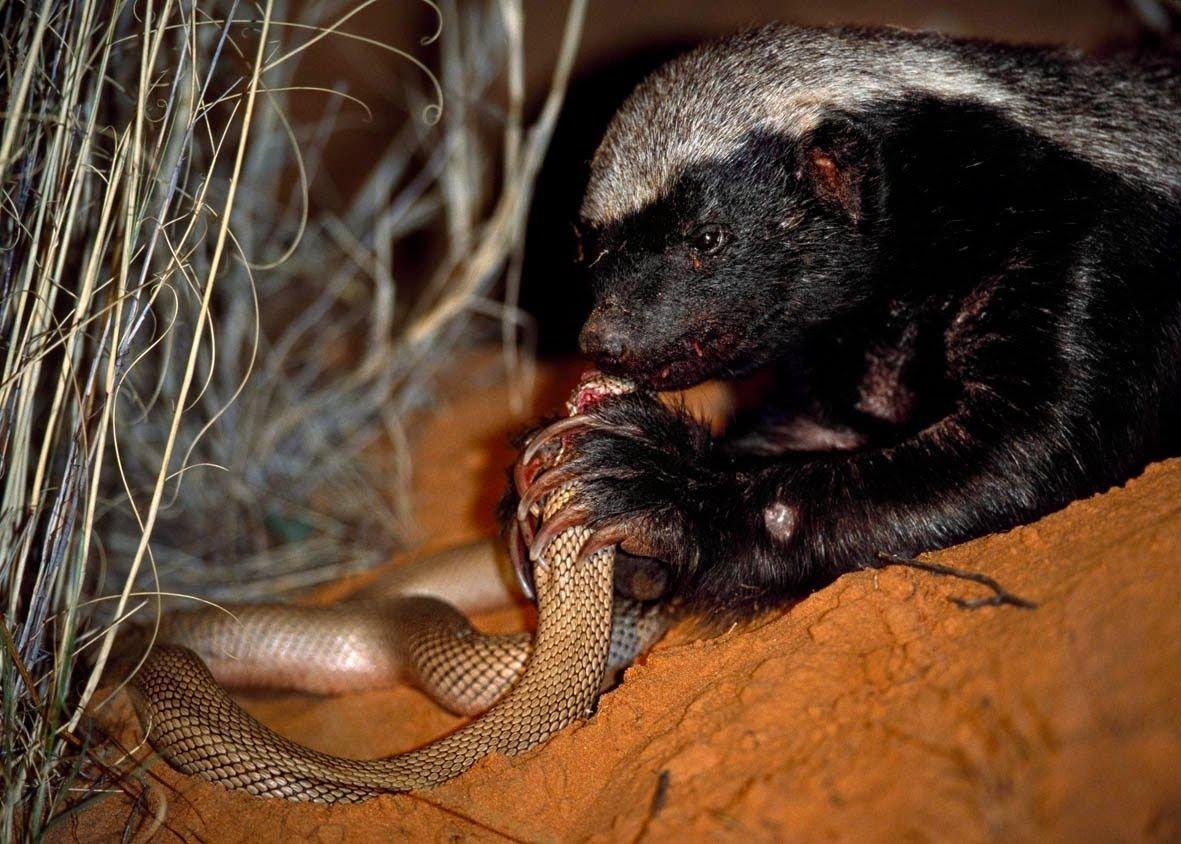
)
(525, 688)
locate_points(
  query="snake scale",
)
(530, 688)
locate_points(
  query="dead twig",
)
(1000, 596)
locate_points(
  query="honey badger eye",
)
(709, 239)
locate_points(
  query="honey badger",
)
(956, 261)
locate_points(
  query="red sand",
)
(874, 709)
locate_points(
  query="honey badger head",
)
(726, 215)
(736, 261)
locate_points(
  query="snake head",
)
(593, 387)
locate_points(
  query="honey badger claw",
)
(518, 549)
(568, 517)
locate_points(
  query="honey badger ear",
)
(841, 162)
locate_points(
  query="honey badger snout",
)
(607, 338)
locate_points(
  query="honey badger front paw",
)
(636, 469)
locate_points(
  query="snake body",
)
(530, 688)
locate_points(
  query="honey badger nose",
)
(603, 338)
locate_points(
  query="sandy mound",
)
(873, 709)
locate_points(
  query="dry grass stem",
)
(208, 357)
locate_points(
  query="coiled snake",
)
(533, 687)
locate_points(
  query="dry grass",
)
(201, 370)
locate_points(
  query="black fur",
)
(968, 325)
